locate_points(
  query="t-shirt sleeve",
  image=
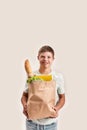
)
(60, 84)
(26, 88)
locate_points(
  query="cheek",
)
(40, 60)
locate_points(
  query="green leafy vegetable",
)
(34, 78)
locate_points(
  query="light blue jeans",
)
(32, 126)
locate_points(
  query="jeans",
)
(32, 126)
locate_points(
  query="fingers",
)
(54, 116)
(54, 108)
(25, 110)
(55, 113)
(25, 113)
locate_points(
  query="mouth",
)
(45, 62)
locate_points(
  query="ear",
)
(53, 58)
(38, 57)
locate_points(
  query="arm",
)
(60, 103)
(60, 92)
(24, 103)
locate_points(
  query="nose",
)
(45, 58)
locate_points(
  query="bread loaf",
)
(28, 68)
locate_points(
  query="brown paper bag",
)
(41, 99)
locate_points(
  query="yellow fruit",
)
(45, 77)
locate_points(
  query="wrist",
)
(56, 108)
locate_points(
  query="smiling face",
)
(45, 59)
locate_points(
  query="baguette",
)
(28, 68)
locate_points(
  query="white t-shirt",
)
(59, 90)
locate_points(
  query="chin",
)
(46, 66)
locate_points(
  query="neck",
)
(44, 70)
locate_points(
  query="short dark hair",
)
(46, 48)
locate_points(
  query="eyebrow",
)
(44, 56)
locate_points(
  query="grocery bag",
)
(41, 99)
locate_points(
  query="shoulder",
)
(58, 75)
(59, 78)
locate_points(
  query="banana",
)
(45, 77)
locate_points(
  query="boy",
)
(46, 58)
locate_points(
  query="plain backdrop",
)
(27, 25)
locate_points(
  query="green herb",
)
(34, 78)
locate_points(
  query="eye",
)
(49, 57)
(42, 56)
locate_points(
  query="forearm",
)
(61, 102)
(24, 98)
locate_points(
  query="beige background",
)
(25, 26)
